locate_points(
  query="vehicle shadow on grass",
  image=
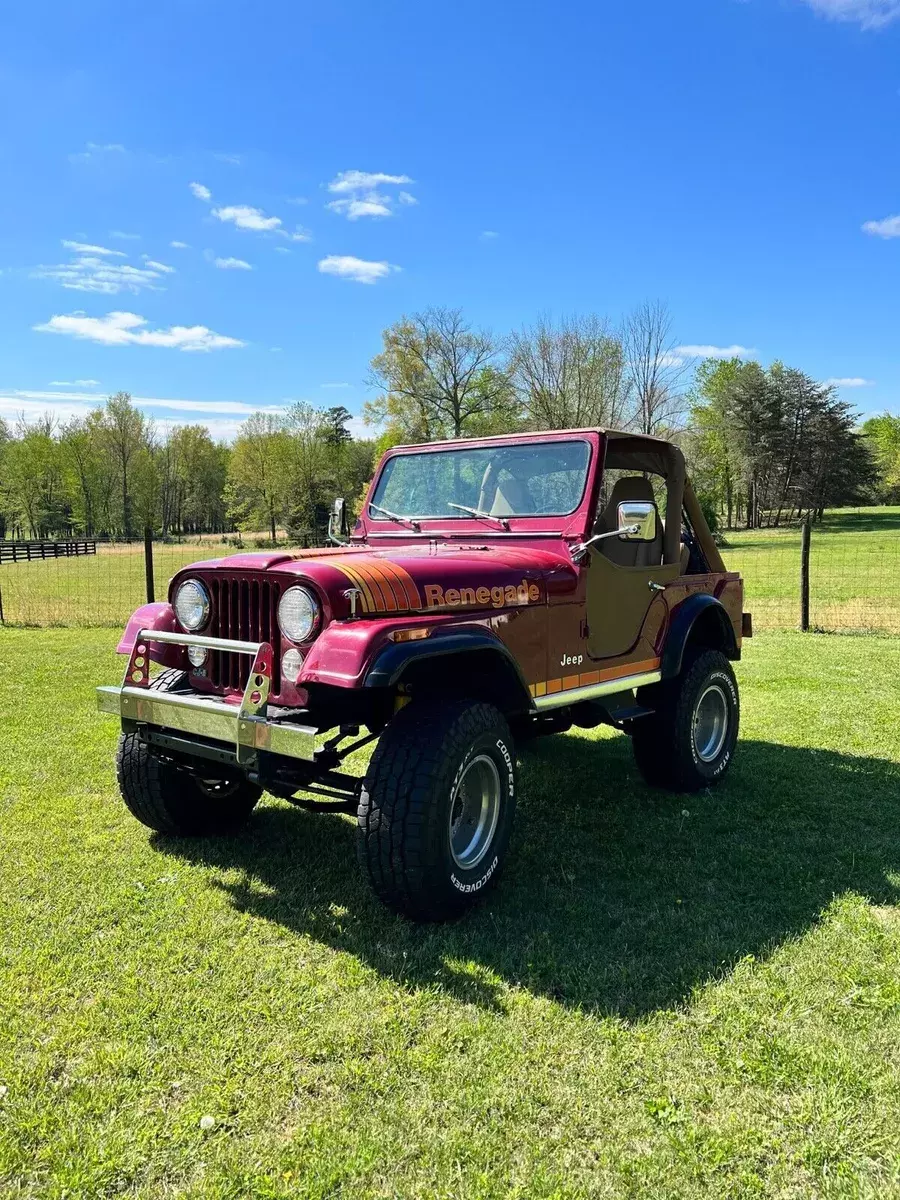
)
(617, 898)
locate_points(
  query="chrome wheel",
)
(710, 727)
(474, 812)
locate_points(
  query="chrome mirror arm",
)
(578, 552)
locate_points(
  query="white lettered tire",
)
(689, 741)
(436, 808)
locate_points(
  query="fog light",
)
(292, 665)
(197, 655)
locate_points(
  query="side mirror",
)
(637, 521)
(337, 521)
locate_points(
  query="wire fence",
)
(854, 572)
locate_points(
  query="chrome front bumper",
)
(245, 727)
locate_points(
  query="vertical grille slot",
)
(245, 610)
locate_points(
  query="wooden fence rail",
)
(15, 552)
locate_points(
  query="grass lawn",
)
(667, 996)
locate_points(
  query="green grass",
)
(667, 996)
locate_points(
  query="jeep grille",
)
(244, 609)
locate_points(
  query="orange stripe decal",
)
(589, 678)
(368, 604)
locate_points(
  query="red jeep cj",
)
(491, 589)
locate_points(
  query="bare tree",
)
(437, 374)
(655, 370)
(570, 374)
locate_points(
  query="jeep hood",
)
(415, 578)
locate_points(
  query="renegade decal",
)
(497, 597)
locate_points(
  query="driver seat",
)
(625, 553)
(511, 498)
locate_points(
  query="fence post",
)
(804, 573)
(148, 564)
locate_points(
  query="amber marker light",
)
(409, 635)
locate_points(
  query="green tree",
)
(433, 376)
(882, 435)
(259, 473)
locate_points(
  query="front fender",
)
(697, 608)
(159, 616)
(389, 665)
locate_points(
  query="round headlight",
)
(298, 614)
(197, 655)
(192, 605)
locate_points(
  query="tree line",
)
(765, 445)
(111, 474)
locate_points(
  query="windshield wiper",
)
(392, 516)
(476, 512)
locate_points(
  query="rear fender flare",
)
(686, 621)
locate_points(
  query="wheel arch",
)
(469, 663)
(700, 620)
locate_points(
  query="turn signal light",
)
(409, 635)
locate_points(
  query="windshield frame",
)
(581, 436)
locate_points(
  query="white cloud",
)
(232, 264)
(869, 14)
(201, 192)
(75, 383)
(282, 250)
(359, 181)
(360, 197)
(887, 228)
(853, 381)
(488, 235)
(345, 266)
(713, 352)
(334, 385)
(225, 407)
(96, 150)
(125, 328)
(85, 248)
(372, 205)
(233, 160)
(125, 237)
(179, 245)
(92, 273)
(157, 266)
(222, 418)
(245, 217)
(297, 200)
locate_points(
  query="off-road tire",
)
(664, 744)
(404, 834)
(171, 800)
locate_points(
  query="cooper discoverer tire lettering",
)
(436, 808)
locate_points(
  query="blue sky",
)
(737, 159)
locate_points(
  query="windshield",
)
(528, 479)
